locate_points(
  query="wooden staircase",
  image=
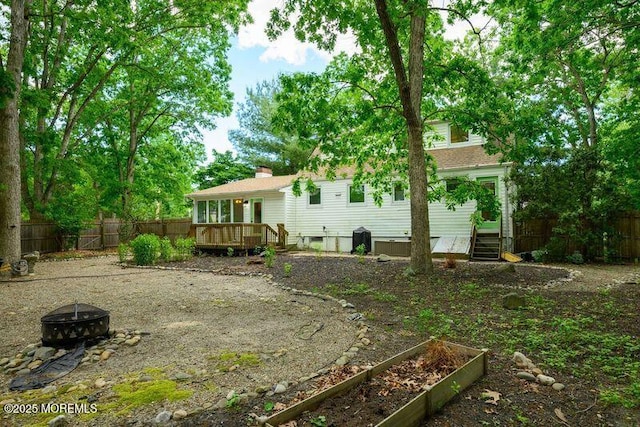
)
(486, 246)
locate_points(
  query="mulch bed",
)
(387, 296)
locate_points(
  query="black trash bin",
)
(361, 236)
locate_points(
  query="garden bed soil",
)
(370, 402)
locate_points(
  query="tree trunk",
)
(410, 91)
(10, 248)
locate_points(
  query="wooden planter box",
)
(423, 405)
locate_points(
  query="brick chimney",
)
(263, 172)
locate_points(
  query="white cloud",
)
(286, 47)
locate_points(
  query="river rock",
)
(280, 388)
(384, 258)
(512, 301)
(34, 364)
(4, 361)
(105, 355)
(100, 382)
(522, 361)
(132, 341)
(526, 376)
(545, 380)
(342, 360)
(163, 417)
(43, 353)
(58, 421)
(179, 414)
(557, 386)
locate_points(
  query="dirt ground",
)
(212, 304)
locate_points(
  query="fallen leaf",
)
(560, 415)
(490, 396)
(490, 411)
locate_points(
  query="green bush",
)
(269, 256)
(145, 248)
(123, 251)
(184, 248)
(166, 250)
(575, 258)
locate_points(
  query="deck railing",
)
(234, 235)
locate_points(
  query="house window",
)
(202, 212)
(356, 194)
(225, 210)
(398, 192)
(213, 211)
(315, 197)
(458, 134)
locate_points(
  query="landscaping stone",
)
(4, 361)
(280, 388)
(558, 386)
(58, 421)
(181, 376)
(43, 353)
(105, 355)
(220, 404)
(179, 414)
(163, 417)
(100, 382)
(512, 301)
(262, 389)
(342, 360)
(545, 380)
(25, 371)
(522, 361)
(526, 376)
(49, 389)
(132, 341)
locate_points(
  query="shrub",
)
(287, 269)
(145, 248)
(539, 255)
(185, 248)
(575, 258)
(166, 250)
(230, 251)
(269, 256)
(123, 252)
(361, 250)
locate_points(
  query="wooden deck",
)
(239, 236)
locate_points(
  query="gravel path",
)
(190, 318)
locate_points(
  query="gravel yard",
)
(191, 318)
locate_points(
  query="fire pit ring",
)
(72, 323)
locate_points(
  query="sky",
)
(254, 58)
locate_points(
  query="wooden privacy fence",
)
(44, 237)
(623, 243)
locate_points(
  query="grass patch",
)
(228, 359)
(132, 395)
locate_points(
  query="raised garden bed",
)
(402, 390)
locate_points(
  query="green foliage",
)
(287, 269)
(268, 406)
(269, 256)
(130, 396)
(575, 258)
(184, 248)
(123, 252)
(223, 168)
(145, 248)
(429, 322)
(360, 252)
(319, 421)
(7, 86)
(166, 249)
(259, 141)
(230, 251)
(234, 401)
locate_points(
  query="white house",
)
(327, 218)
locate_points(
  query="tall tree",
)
(375, 103)
(161, 70)
(223, 168)
(259, 141)
(10, 81)
(571, 66)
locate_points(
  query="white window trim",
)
(393, 196)
(457, 144)
(314, 206)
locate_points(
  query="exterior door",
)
(256, 211)
(491, 223)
